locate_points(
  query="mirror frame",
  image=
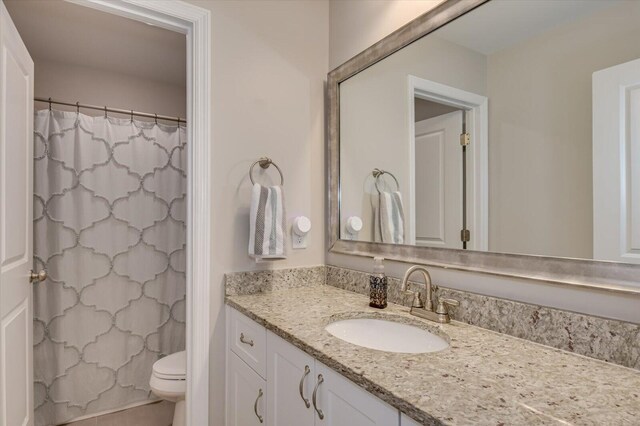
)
(586, 273)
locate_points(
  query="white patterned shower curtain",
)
(109, 227)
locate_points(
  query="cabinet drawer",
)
(248, 340)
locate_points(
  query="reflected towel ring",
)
(377, 173)
(265, 162)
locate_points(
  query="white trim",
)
(478, 126)
(195, 22)
(411, 116)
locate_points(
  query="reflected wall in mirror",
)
(514, 128)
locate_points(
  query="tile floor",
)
(156, 414)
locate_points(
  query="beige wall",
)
(270, 61)
(72, 83)
(355, 25)
(374, 114)
(349, 39)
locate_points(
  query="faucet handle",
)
(444, 304)
(417, 300)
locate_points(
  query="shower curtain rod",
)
(132, 113)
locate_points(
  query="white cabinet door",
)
(246, 394)
(340, 402)
(16, 226)
(290, 380)
(407, 421)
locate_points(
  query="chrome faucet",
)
(425, 310)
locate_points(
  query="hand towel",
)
(267, 223)
(390, 216)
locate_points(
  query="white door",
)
(438, 181)
(342, 403)
(16, 226)
(290, 381)
(616, 163)
(246, 394)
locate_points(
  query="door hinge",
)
(465, 139)
(465, 235)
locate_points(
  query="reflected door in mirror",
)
(438, 181)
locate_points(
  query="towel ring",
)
(265, 162)
(377, 173)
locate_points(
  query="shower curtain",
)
(109, 227)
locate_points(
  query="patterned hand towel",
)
(267, 223)
(390, 215)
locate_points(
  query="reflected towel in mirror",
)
(390, 217)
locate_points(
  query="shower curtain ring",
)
(105, 111)
(49, 104)
(78, 107)
(132, 116)
(156, 118)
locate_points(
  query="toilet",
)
(169, 381)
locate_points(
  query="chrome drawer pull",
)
(255, 406)
(307, 370)
(314, 397)
(245, 341)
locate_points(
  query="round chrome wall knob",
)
(39, 277)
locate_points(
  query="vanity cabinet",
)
(282, 395)
(343, 403)
(290, 377)
(246, 394)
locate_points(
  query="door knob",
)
(40, 276)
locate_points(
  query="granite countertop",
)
(483, 378)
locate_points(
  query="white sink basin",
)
(387, 336)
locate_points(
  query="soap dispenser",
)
(378, 285)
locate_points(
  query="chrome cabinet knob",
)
(39, 277)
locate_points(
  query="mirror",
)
(514, 128)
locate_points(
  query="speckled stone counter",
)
(483, 378)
